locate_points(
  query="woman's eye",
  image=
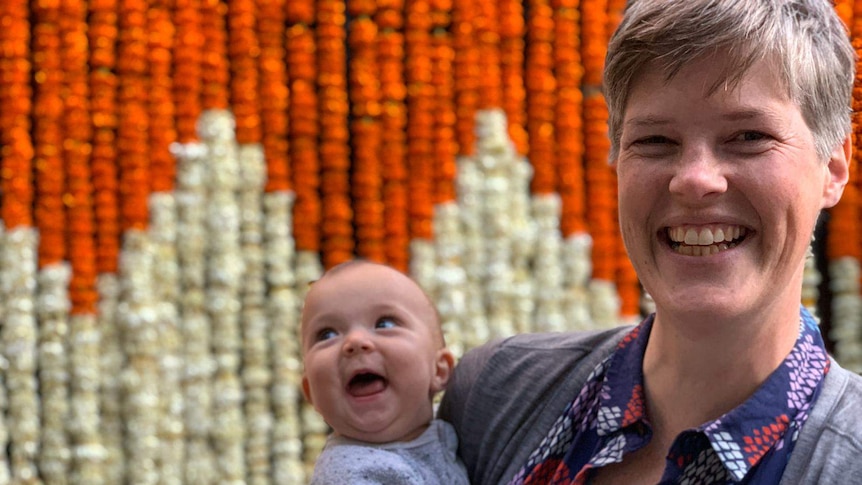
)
(325, 334)
(652, 140)
(385, 322)
(751, 136)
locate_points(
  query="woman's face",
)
(719, 192)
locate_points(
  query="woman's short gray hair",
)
(805, 38)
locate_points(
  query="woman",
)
(729, 123)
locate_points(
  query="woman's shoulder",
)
(830, 442)
(526, 380)
(552, 345)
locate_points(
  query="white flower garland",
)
(52, 312)
(18, 344)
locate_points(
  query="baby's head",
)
(373, 352)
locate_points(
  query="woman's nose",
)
(698, 174)
(357, 341)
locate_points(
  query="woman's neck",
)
(694, 375)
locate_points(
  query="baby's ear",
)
(305, 390)
(444, 364)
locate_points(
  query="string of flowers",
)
(274, 95)
(599, 176)
(215, 71)
(48, 135)
(511, 15)
(844, 9)
(337, 225)
(364, 92)
(102, 40)
(301, 442)
(255, 327)
(541, 99)
(488, 43)
(261, 323)
(568, 121)
(243, 50)
(465, 70)
(449, 275)
(844, 242)
(162, 131)
(192, 22)
(102, 32)
(628, 285)
(420, 118)
(393, 120)
(87, 454)
(187, 65)
(245, 82)
(16, 187)
(569, 139)
(615, 15)
(50, 220)
(445, 146)
(133, 122)
(303, 122)
(163, 234)
(18, 334)
(140, 340)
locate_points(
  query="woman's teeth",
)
(705, 241)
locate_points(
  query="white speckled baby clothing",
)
(428, 460)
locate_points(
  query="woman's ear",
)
(443, 366)
(838, 173)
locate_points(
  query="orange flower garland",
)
(844, 8)
(77, 149)
(366, 182)
(243, 52)
(303, 121)
(541, 99)
(445, 147)
(599, 176)
(274, 95)
(337, 227)
(187, 58)
(161, 106)
(16, 187)
(102, 32)
(420, 119)
(465, 70)
(393, 120)
(48, 135)
(568, 121)
(215, 72)
(512, 71)
(615, 15)
(488, 42)
(628, 285)
(844, 224)
(132, 141)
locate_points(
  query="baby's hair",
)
(362, 261)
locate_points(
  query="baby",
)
(373, 359)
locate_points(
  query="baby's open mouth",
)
(365, 384)
(706, 240)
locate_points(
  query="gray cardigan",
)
(505, 395)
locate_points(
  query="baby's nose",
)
(357, 341)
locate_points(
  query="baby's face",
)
(371, 358)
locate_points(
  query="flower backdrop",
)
(173, 174)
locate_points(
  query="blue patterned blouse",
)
(751, 444)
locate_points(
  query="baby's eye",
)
(386, 322)
(325, 334)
